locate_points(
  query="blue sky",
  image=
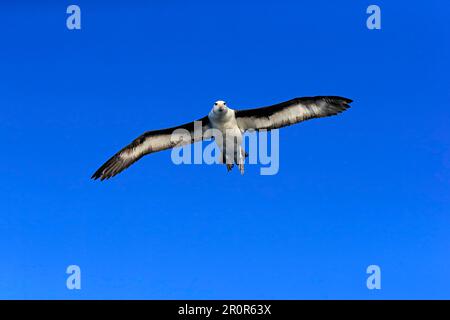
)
(368, 187)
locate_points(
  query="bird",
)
(231, 123)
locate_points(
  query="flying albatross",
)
(232, 123)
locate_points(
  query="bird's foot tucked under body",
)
(241, 168)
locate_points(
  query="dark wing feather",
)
(290, 112)
(150, 142)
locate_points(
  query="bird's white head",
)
(220, 108)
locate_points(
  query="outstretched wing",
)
(153, 141)
(290, 112)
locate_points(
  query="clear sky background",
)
(370, 186)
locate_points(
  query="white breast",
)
(228, 126)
